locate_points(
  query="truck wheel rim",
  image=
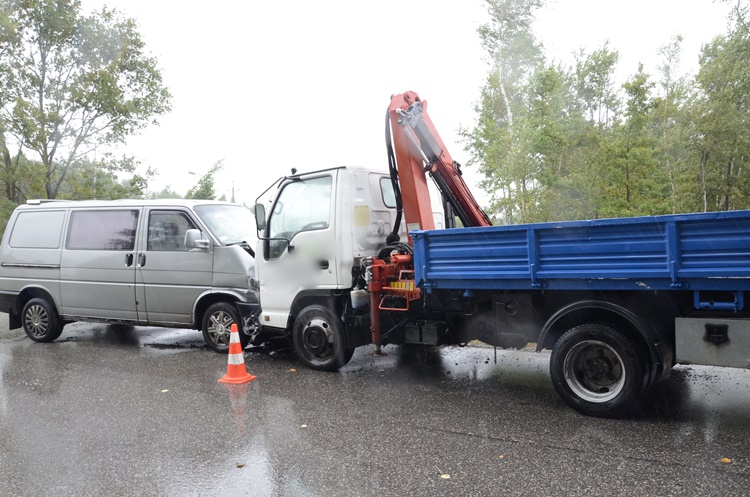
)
(317, 338)
(594, 371)
(220, 327)
(37, 320)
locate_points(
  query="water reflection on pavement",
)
(137, 411)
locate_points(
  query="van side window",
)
(37, 230)
(102, 230)
(166, 231)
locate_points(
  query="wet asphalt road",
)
(138, 411)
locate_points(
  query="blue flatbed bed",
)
(699, 252)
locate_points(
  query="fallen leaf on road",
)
(292, 370)
(240, 465)
(501, 456)
(726, 460)
(444, 476)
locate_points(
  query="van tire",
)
(217, 322)
(40, 320)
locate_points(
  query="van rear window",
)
(102, 230)
(37, 230)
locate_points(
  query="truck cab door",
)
(297, 252)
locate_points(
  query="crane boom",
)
(414, 150)
(419, 150)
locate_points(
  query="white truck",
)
(618, 301)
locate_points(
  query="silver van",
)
(174, 263)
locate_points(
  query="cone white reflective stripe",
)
(234, 337)
(235, 359)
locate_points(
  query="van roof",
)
(173, 202)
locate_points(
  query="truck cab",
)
(313, 234)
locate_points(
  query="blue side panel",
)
(689, 251)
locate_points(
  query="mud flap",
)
(14, 320)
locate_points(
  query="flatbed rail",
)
(699, 252)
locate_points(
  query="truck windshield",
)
(228, 223)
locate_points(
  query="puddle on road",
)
(701, 391)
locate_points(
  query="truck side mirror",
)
(194, 240)
(260, 216)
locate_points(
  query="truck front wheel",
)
(596, 370)
(319, 340)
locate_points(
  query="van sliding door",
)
(97, 269)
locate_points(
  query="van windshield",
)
(228, 223)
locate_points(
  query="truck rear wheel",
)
(40, 320)
(319, 340)
(596, 370)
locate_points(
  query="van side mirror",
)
(260, 216)
(194, 240)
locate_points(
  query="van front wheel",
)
(217, 326)
(40, 321)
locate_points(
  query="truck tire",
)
(597, 370)
(40, 320)
(319, 340)
(217, 326)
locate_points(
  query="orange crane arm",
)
(419, 150)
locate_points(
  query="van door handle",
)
(141, 260)
(128, 260)
(323, 264)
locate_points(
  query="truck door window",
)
(386, 191)
(102, 230)
(166, 231)
(303, 205)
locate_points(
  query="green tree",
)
(595, 83)
(72, 83)
(722, 141)
(565, 143)
(512, 49)
(567, 177)
(166, 192)
(99, 180)
(497, 145)
(204, 189)
(669, 121)
(636, 180)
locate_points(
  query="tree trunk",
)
(728, 194)
(704, 160)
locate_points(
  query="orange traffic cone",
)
(236, 372)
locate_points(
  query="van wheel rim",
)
(37, 320)
(220, 327)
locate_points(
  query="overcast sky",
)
(266, 86)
